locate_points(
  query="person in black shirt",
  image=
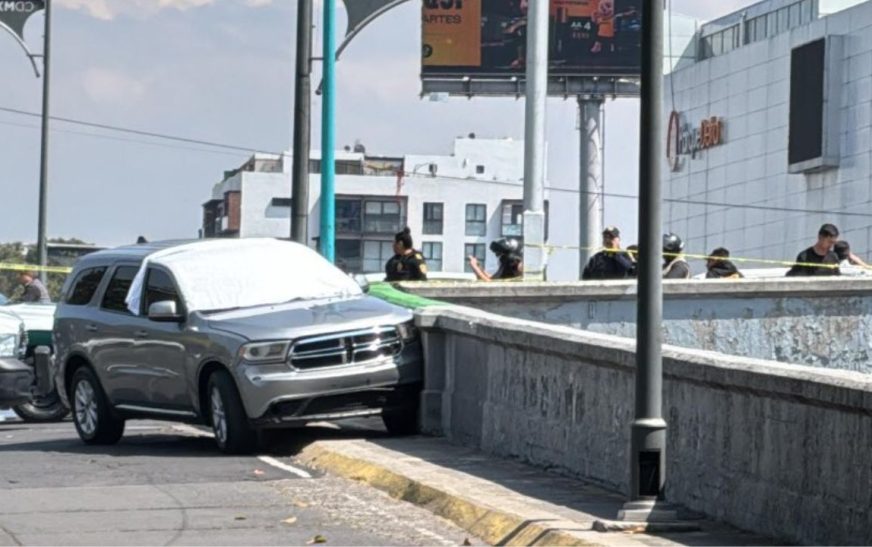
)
(508, 252)
(610, 263)
(720, 267)
(820, 253)
(407, 264)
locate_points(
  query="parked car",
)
(16, 378)
(43, 406)
(238, 334)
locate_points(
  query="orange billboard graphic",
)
(452, 33)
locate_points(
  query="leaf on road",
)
(289, 520)
(259, 472)
(239, 517)
(317, 539)
(301, 504)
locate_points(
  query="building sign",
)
(14, 14)
(488, 38)
(682, 139)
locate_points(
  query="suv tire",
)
(233, 434)
(95, 421)
(47, 408)
(402, 423)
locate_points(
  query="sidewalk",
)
(500, 501)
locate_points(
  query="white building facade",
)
(454, 205)
(770, 130)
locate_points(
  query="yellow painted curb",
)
(487, 523)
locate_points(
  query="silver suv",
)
(238, 334)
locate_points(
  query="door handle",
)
(91, 328)
(141, 334)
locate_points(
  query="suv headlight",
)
(9, 345)
(265, 352)
(408, 331)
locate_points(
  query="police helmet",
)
(672, 243)
(505, 246)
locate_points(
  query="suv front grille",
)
(345, 348)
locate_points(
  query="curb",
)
(492, 525)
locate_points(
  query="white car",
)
(16, 377)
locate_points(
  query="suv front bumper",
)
(276, 394)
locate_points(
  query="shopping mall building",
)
(771, 109)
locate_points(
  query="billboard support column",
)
(302, 125)
(534, 140)
(42, 236)
(590, 195)
(328, 137)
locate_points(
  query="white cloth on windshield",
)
(240, 273)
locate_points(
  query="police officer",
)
(674, 264)
(509, 254)
(407, 264)
(612, 262)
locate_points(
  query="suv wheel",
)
(229, 422)
(92, 414)
(47, 408)
(401, 424)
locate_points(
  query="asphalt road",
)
(166, 484)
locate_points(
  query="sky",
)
(222, 71)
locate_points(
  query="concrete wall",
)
(824, 323)
(780, 450)
(750, 89)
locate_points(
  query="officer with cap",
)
(611, 262)
(407, 264)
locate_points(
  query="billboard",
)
(487, 38)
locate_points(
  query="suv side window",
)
(159, 287)
(85, 286)
(116, 292)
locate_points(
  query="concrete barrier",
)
(818, 322)
(777, 449)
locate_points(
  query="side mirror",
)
(362, 282)
(164, 312)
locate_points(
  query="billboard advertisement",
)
(488, 37)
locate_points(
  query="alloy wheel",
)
(219, 419)
(86, 408)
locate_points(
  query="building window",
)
(376, 254)
(382, 217)
(479, 169)
(282, 202)
(512, 220)
(433, 218)
(348, 216)
(348, 257)
(476, 219)
(432, 252)
(473, 249)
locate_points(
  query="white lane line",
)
(285, 467)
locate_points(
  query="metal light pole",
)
(534, 139)
(328, 138)
(42, 240)
(648, 444)
(302, 124)
(590, 131)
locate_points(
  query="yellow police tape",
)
(783, 263)
(33, 268)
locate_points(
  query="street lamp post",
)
(42, 238)
(648, 438)
(302, 124)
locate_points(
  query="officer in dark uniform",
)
(509, 254)
(611, 262)
(407, 264)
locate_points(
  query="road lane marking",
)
(284, 467)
